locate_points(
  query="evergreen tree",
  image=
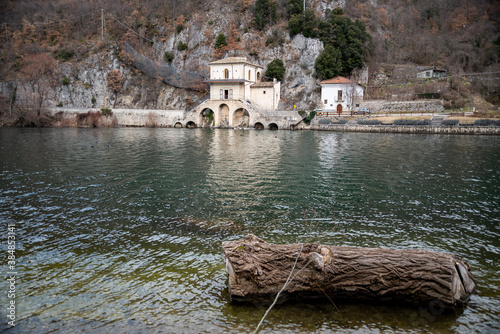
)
(276, 69)
(220, 41)
(294, 8)
(346, 36)
(329, 63)
(265, 12)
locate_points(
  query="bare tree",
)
(39, 70)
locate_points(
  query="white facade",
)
(431, 73)
(340, 95)
(235, 78)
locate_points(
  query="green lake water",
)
(120, 230)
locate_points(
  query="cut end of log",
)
(257, 271)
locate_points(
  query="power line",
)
(127, 27)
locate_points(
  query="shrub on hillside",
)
(65, 80)
(168, 56)
(64, 55)
(182, 46)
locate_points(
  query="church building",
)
(235, 78)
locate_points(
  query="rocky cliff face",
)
(89, 86)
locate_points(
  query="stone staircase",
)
(437, 120)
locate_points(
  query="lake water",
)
(121, 229)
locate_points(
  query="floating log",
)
(258, 271)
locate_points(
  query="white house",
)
(430, 72)
(235, 78)
(340, 94)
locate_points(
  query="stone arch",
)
(273, 126)
(223, 115)
(207, 117)
(258, 126)
(191, 125)
(178, 125)
(241, 118)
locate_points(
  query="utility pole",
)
(470, 96)
(102, 24)
(482, 104)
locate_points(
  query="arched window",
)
(226, 74)
(249, 72)
(258, 76)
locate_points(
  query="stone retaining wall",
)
(384, 106)
(463, 130)
(134, 117)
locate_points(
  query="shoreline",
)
(148, 118)
(411, 129)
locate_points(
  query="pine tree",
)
(276, 69)
(329, 63)
(220, 41)
(264, 13)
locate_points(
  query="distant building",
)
(340, 94)
(239, 99)
(431, 72)
(235, 78)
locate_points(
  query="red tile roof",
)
(336, 80)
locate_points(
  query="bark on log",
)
(258, 270)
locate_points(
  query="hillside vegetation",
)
(72, 52)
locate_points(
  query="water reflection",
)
(120, 229)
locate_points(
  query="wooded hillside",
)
(460, 36)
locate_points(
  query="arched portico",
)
(234, 113)
(223, 117)
(241, 118)
(207, 117)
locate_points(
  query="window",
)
(264, 92)
(221, 94)
(258, 76)
(339, 95)
(226, 74)
(325, 102)
(357, 105)
(249, 72)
